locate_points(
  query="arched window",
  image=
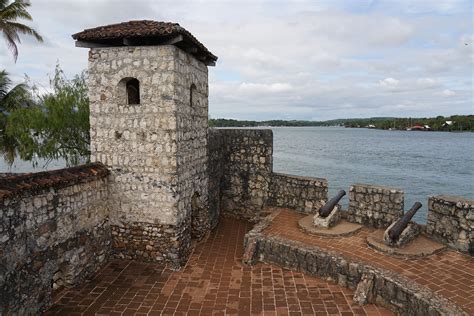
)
(129, 91)
(192, 91)
(133, 91)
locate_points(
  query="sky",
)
(293, 59)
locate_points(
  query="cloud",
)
(389, 83)
(447, 93)
(295, 59)
(427, 82)
(265, 88)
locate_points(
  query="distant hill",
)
(439, 123)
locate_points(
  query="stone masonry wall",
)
(216, 156)
(191, 97)
(375, 206)
(54, 232)
(304, 194)
(247, 171)
(155, 150)
(451, 221)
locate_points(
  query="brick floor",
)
(449, 273)
(214, 282)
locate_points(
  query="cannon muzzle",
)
(327, 208)
(397, 229)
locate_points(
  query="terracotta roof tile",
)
(145, 32)
(32, 182)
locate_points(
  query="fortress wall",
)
(216, 155)
(246, 171)
(451, 221)
(375, 206)
(54, 232)
(304, 194)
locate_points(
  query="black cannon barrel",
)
(327, 208)
(396, 230)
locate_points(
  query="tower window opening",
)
(192, 91)
(133, 91)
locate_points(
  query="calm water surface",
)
(420, 163)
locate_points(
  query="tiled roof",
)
(33, 182)
(152, 31)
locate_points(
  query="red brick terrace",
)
(214, 282)
(449, 273)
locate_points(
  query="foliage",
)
(11, 29)
(460, 123)
(57, 126)
(12, 98)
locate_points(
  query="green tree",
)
(57, 126)
(12, 98)
(11, 28)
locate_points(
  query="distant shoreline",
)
(454, 123)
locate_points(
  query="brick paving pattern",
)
(214, 282)
(449, 273)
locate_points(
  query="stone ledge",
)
(292, 176)
(377, 188)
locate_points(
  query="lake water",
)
(26, 166)
(420, 163)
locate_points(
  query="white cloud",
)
(265, 88)
(294, 58)
(427, 82)
(447, 93)
(389, 83)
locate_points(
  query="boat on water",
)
(418, 127)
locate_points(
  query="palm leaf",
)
(9, 14)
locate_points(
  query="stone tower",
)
(148, 90)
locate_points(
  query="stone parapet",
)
(304, 194)
(54, 232)
(375, 206)
(451, 221)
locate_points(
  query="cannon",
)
(396, 230)
(327, 208)
(401, 232)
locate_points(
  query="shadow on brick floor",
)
(214, 282)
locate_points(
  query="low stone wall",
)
(386, 288)
(54, 232)
(451, 221)
(303, 194)
(375, 206)
(246, 174)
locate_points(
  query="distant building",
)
(447, 124)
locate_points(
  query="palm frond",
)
(3, 4)
(24, 29)
(9, 14)
(15, 10)
(11, 39)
